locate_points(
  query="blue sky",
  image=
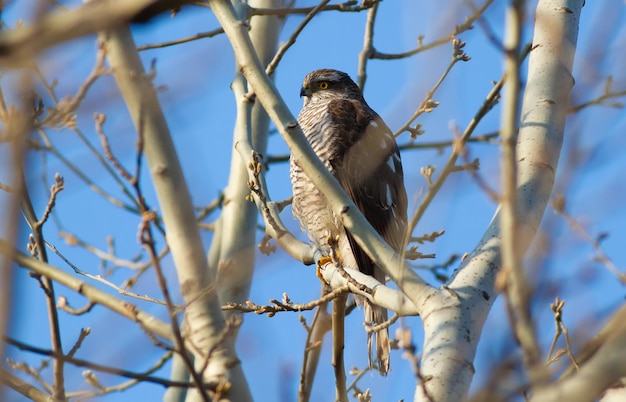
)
(200, 111)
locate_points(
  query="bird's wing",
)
(369, 168)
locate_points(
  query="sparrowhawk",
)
(358, 148)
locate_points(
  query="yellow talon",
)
(320, 263)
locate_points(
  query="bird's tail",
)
(375, 315)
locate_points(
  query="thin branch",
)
(21, 44)
(274, 226)
(513, 278)
(63, 112)
(368, 46)
(64, 305)
(56, 188)
(292, 39)
(601, 100)
(99, 367)
(49, 147)
(338, 323)
(405, 343)
(100, 119)
(106, 256)
(348, 6)
(39, 249)
(22, 387)
(428, 104)
(411, 145)
(560, 328)
(558, 203)
(125, 309)
(368, 287)
(199, 35)
(487, 105)
(320, 325)
(465, 26)
(286, 304)
(100, 279)
(183, 237)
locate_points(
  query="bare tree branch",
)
(512, 277)
(203, 311)
(449, 348)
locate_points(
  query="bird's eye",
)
(322, 85)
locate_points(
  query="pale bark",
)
(452, 334)
(238, 222)
(205, 322)
(92, 293)
(21, 44)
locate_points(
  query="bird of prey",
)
(360, 151)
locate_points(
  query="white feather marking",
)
(388, 195)
(391, 162)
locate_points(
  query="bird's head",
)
(325, 83)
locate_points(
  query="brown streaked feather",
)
(369, 169)
(358, 148)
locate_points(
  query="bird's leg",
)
(318, 268)
(332, 241)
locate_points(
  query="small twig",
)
(428, 104)
(106, 256)
(359, 373)
(557, 309)
(63, 112)
(99, 367)
(37, 242)
(56, 188)
(33, 372)
(320, 325)
(279, 307)
(269, 210)
(421, 47)
(99, 278)
(436, 268)
(64, 305)
(601, 100)
(338, 323)
(558, 203)
(438, 145)
(473, 166)
(232, 324)
(368, 46)
(49, 147)
(488, 103)
(348, 6)
(382, 325)
(79, 342)
(429, 237)
(123, 386)
(405, 343)
(271, 67)
(199, 35)
(100, 119)
(7, 188)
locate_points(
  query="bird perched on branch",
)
(360, 151)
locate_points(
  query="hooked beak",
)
(304, 91)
